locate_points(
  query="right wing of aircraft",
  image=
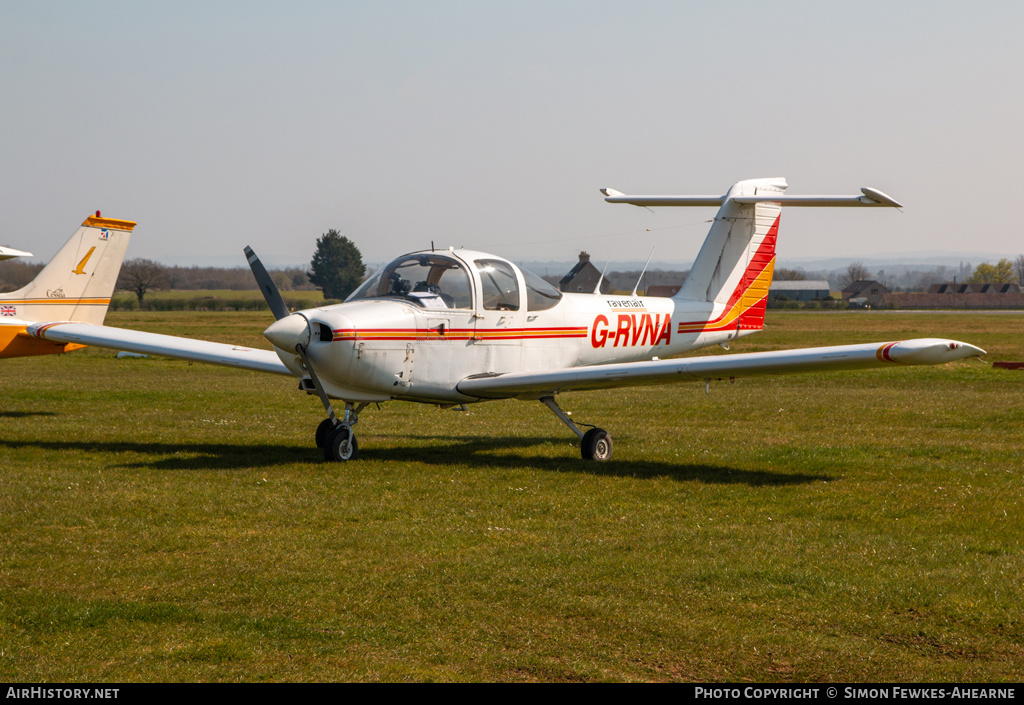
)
(157, 344)
(535, 385)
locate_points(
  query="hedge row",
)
(204, 303)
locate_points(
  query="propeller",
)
(290, 331)
(267, 286)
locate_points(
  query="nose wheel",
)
(336, 438)
(341, 444)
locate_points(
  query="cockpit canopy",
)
(443, 281)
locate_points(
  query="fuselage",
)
(428, 320)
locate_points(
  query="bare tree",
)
(855, 272)
(1018, 268)
(784, 274)
(140, 276)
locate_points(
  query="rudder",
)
(735, 264)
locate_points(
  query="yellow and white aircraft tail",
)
(76, 285)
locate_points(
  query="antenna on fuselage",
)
(644, 271)
(597, 289)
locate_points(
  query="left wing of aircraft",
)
(536, 385)
(157, 344)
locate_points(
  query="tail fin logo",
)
(104, 234)
(80, 269)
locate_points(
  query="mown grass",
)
(161, 521)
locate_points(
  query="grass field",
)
(161, 521)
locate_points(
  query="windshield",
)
(540, 296)
(428, 280)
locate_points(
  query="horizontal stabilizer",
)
(869, 197)
(11, 253)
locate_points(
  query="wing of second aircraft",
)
(157, 344)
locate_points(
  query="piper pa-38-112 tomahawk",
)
(455, 327)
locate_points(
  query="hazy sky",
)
(493, 124)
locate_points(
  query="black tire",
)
(596, 445)
(341, 445)
(323, 431)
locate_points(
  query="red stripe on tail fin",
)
(752, 291)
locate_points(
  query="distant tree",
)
(1018, 269)
(281, 280)
(141, 276)
(15, 274)
(1000, 273)
(790, 275)
(855, 272)
(337, 266)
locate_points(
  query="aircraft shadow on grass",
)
(497, 453)
(24, 414)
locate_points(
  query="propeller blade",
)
(266, 284)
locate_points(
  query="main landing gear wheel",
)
(341, 445)
(596, 445)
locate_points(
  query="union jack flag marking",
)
(8, 311)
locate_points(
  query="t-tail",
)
(733, 271)
(76, 285)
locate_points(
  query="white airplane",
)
(454, 327)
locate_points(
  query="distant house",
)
(949, 288)
(960, 296)
(798, 289)
(865, 291)
(583, 278)
(961, 288)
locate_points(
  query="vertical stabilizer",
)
(735, 264)
(76, 285)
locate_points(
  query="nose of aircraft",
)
(287, 332)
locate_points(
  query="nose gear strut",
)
(334, 436)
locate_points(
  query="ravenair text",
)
(631, 330)
(624, 303)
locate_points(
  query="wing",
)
(533, 385)
(157, 344)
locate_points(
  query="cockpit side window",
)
(500, 288)
(540, 296)
(428, 280)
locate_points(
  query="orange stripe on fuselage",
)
(56, 302)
